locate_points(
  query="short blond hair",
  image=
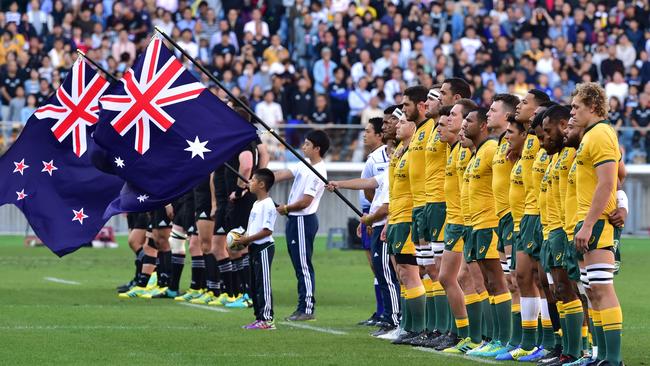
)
(593, 96)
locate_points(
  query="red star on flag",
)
(21, 195)
(20, 166)
(79, 216)
(49, 167)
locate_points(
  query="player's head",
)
(433, 102)
(526, 108)
(405, 128)
(262, 181)
(503, 105)
(453, 89)
(316, 143)
(589, 104)
(372, 135)
(476, 125)
(391, 116)
(443, 125)
(414, 103)
(572, 134)
(516, 135)
(458, 112)
(554, 123)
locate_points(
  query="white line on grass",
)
(316, 329)
(59, 280)
(219, 310)
(98, 327)
(475, 359)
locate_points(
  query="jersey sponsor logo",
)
(592, 239)
(558, 256)
(509, 236)
(221, 230)
(402, 163)
(434, 232)
(543, 157)
(462, 155)
(477, 162)
(518, 170)
(450, 241)
(529, 245)
(529, 145)
(421, 136)
(203, 215)
(481, 250)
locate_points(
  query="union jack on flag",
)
(60, 192)
(147, 93)
(75, 107)
(195, 132)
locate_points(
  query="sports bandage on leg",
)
(600, 274)
(424, 255)
(581, 289)
(177, 242)
(438, 248)
(505, 266)
(621, 200)
(583, 278)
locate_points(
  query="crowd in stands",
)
(320, 62)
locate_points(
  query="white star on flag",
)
(119, 162)
(20, 166)
(79, 216)
(197, 148)
(142, 197)
(49, 167)
(21, 195)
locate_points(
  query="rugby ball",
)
(232, 236)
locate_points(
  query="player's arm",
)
(367, 172)
(300, 204)
(617, 218)
(378, 215)
(356, 183)
(263, 155)
(284, 174)
(257, 236)
(606, 174)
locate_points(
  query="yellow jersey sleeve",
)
(465, 159)
(599, 145)
(541, 202)
(392, 163)
(417, 159)
(452, 187)
(501, 178)
(539, 168)
(401, 198)
(571, 203)
(528, 154)
(561, 173)
(435, 166)
(481, 197)
(517, 193)
(553, 218)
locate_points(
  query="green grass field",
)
(82, 323)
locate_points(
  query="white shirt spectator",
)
(627, 54)
(376, 164)
(262, 216)
(169, 5)
(470, 45)
(339, 6)
(358, 100)
(250, 27)
(271, 113)
(381, 196)
(381, 64)
(305, 182)
(391, 87)
(618, 90)
(358, 71)
(190, 47)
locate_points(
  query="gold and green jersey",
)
(517, 193)
(571, 202)
(481, 196)
(417, 160)
(562, 167)
(539, 168)
(501, 178)
(452, 186)
(435, 166)
(465, 159)
(392, 163)
(401, 198)
(528, 154)
(599, 146)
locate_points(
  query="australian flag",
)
(47, 173)
(163, 131)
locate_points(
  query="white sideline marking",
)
(219, 310)
(317, 329)
(475, 359)
(97, 327)
(59, 280)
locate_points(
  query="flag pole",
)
(114, 79)
(256, 118)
